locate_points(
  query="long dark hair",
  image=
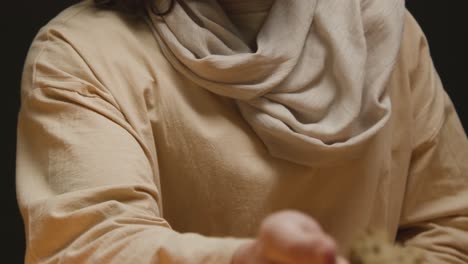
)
(136, 6)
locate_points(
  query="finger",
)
(287, 228)
(293, 237)
(297, 219)
(318, 248)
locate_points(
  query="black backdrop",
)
(444, 23)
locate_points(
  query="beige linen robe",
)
(122, 160)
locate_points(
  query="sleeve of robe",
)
(435, 213)
(86, 185)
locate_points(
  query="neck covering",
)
(248, 16)
(313, 87)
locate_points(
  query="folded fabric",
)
(313, 87)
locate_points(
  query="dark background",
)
(444, 22)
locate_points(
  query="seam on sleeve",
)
(46, 46)
(81, 91)
(36, 60)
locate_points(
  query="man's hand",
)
(289, 237)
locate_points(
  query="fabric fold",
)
(314, 89)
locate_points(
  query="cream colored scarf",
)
(314, 89)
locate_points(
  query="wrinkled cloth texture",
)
(314, 87)
(123, 159)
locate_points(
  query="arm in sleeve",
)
(435, 212)
(85, 185)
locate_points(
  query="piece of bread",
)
(376, 248)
